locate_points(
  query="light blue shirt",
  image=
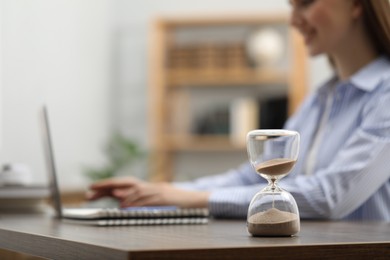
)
(351, 172)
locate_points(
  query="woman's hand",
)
(134, 192)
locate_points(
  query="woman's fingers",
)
(143, 195)
(139, 201)
(115, 183)
(114, 187)
(123, 194)
(97, 194)
(133, 192)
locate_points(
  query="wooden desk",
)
(44, 236)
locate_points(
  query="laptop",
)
(159, 215)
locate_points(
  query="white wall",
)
(56, 52)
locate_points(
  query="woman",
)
(343, 171)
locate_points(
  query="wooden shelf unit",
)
(199, 143)
(177, 67)
(183, 77)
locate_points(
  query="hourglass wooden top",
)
(277, 166)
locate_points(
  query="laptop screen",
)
(50, 162)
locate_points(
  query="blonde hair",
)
(376, 15)
(376, 18)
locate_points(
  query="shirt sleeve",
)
(231, 192)
(244, 175)
(232, 202)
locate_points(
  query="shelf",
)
(185, 77)
(193, 143)
(211, 54)
(226, 19)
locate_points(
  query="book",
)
(244, 114)
(24, 192)
(139, 222)
(161, 215)
(18, 198)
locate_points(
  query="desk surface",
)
(47, 237)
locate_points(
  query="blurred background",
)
(146, 88)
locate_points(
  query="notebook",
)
(159, 215)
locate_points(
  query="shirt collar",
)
(367, 78)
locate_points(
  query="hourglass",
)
(273, 211)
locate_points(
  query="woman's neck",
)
(357, 52)
(347, 65)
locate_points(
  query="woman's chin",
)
(314, 51)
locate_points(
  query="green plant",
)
(122, 153)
